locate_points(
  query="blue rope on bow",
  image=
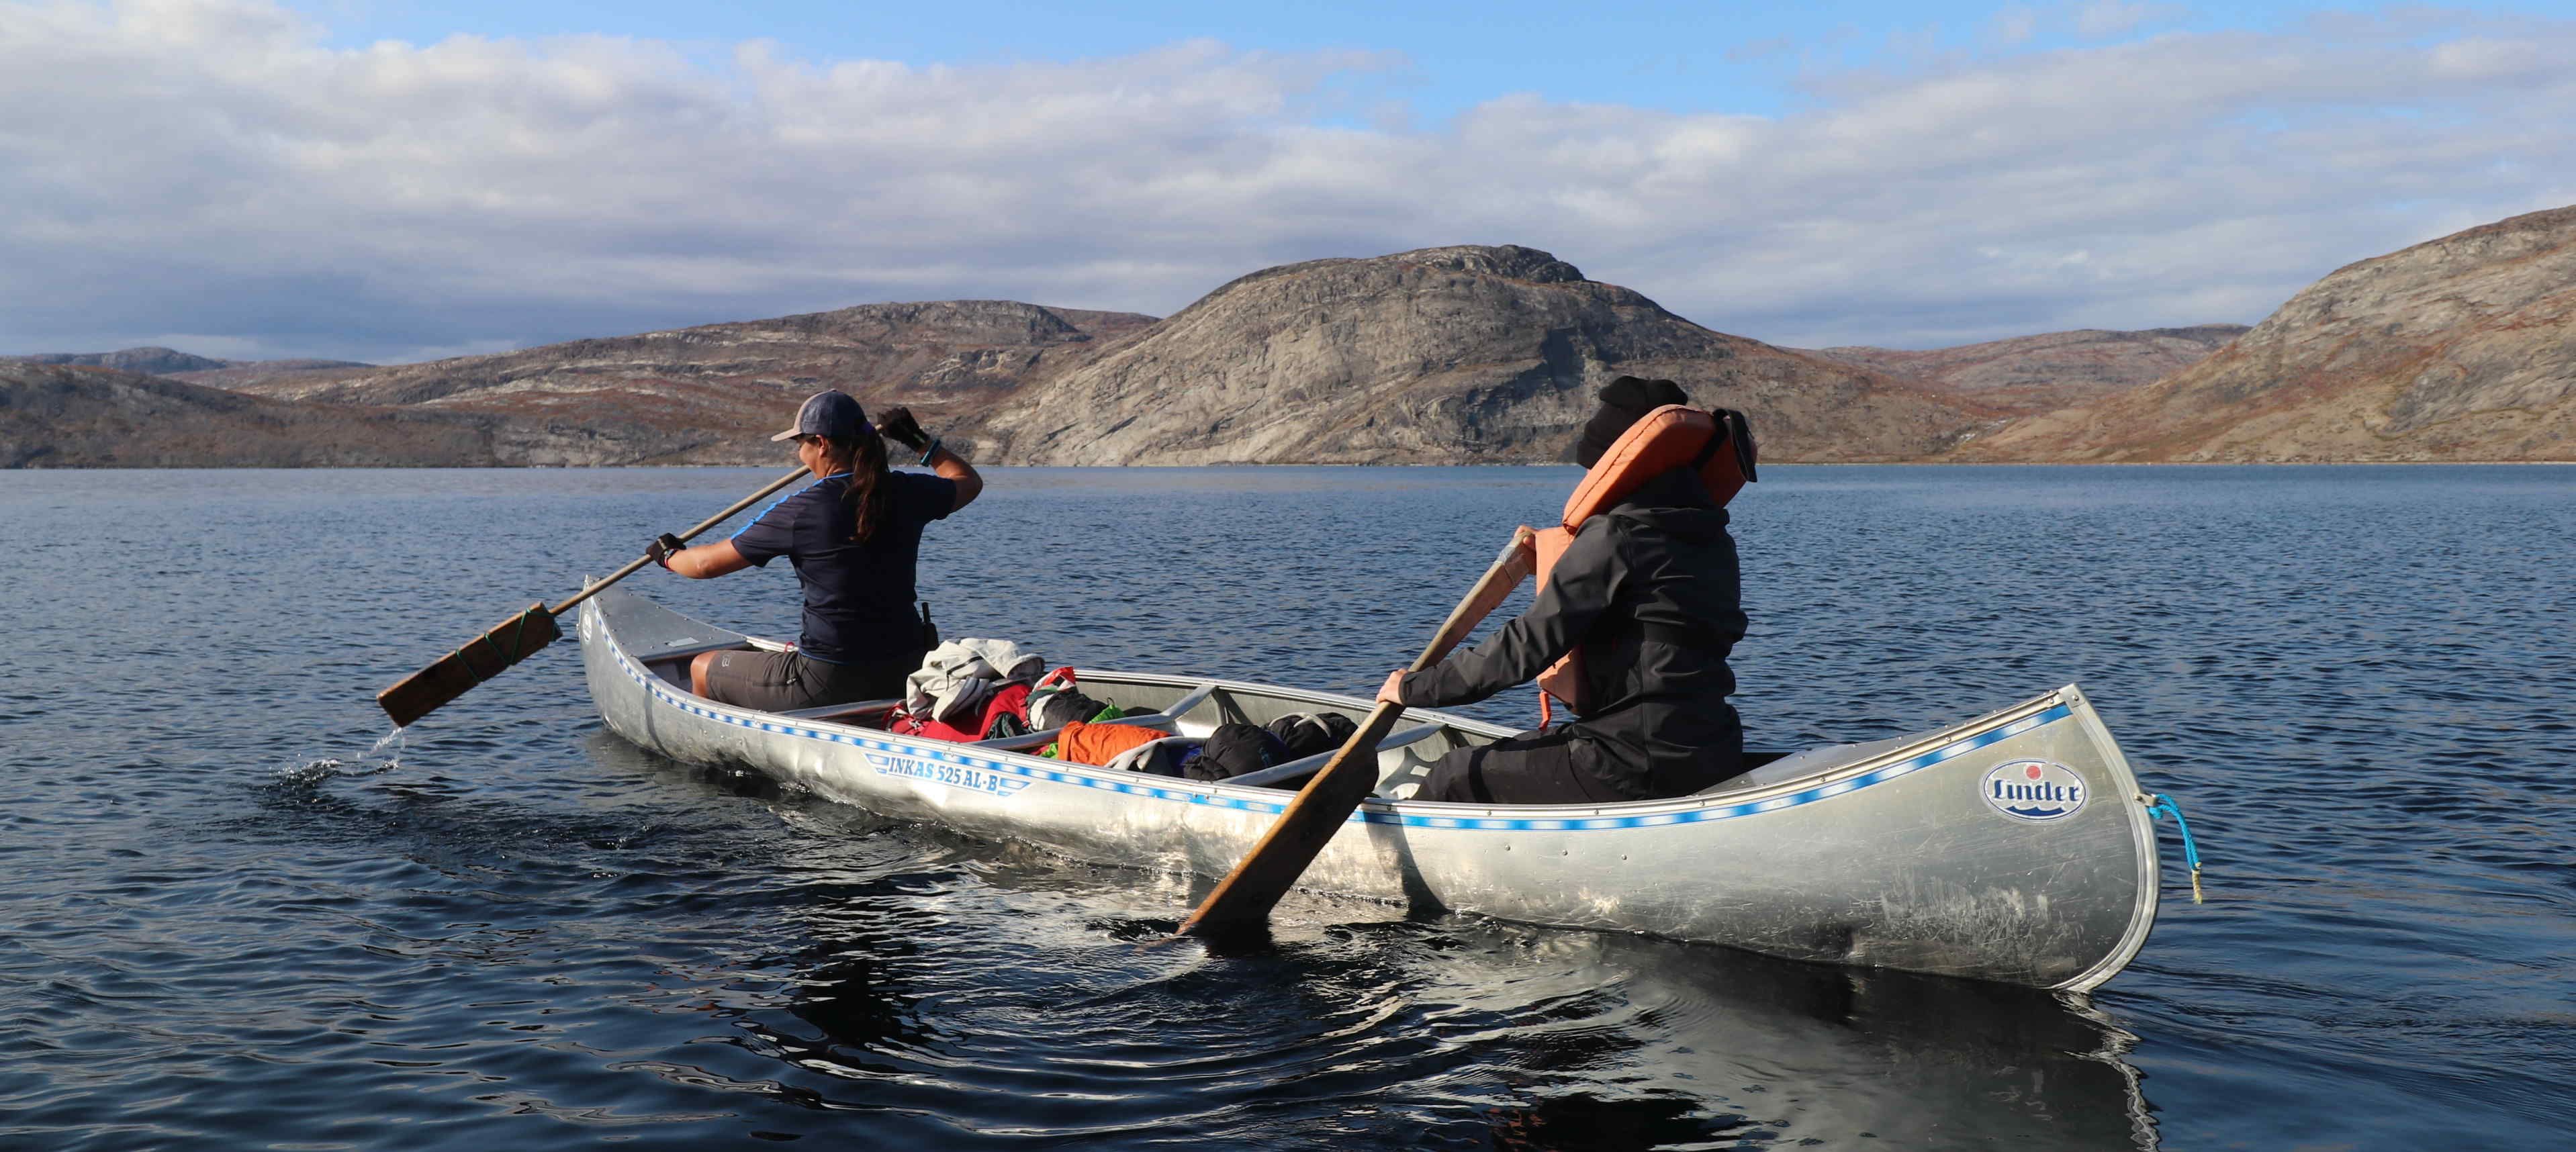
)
(2164, 806)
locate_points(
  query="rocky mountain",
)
(177, 365)
(714, 393)
(150, 361)
(73, 416)
(2462, 348)
(1435, 356)
(1442, 355)
(242, 373)
(2032, 374)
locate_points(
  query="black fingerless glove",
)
(899, 426)
(662, 547)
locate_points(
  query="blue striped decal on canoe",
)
(689, 704)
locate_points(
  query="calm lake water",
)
(232, 922)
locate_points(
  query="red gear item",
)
(1012, 700)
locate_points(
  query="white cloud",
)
(187, 166)
(2014, 25)
(2102, 19)
(2483, 59)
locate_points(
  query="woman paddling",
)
(854, 536)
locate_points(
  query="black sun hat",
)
(1624, 402)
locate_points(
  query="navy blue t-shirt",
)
(858, 596)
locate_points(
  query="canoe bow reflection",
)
(1777, 1050)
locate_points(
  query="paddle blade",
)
(1243, 900)
(476, 661)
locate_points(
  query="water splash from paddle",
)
(384, 756)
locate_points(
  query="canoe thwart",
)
(854, 708)
(1190, 699)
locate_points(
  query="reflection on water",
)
(1446, 1031)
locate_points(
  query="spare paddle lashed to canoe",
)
(512, 640)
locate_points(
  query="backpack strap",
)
(1733, 431)
(1739, 432)
(1716, 440)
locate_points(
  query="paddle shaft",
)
(512, 640)
(639, 562)
(1245, 897)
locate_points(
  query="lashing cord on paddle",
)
(2164, 806)
(508, 658)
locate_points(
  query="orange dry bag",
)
(1718, 443)
(1086, 743)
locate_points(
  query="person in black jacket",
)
(1649, 592)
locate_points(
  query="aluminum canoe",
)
(2015, 847)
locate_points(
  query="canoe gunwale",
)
(1414, 720)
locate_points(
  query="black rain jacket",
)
(1650, 591)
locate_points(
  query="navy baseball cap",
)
(829, 413)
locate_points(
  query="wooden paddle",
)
(1246, 895)
(511, 640)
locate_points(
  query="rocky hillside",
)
(68, 416)
(714, 393)
(2459, 349)
(177, 365)
(1437, 356)
(2033, 374)
(150, 361)
(2462, 348)
(242, 373)
(1443, 355)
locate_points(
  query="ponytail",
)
(870, 490)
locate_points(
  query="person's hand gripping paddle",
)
(510, 641)
(1244, 898)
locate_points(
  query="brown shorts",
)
(788, 681)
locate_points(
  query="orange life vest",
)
(1718, 442)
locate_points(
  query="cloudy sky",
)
(398, 181)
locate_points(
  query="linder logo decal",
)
(2035, 790)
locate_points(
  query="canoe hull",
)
(1900, 859)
